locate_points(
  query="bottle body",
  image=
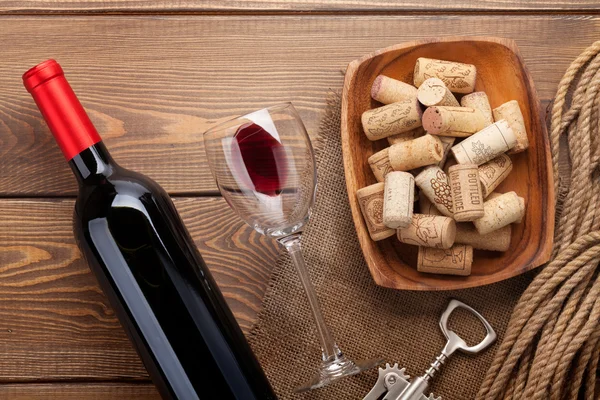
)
(141, 253)
(163, 294)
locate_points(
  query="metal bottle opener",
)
(393, 383)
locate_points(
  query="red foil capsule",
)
(64, 114)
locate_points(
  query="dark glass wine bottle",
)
(147, 264)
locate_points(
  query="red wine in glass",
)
(262, 157)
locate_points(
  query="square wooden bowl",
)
(503, 76)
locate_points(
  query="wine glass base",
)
(339, 367)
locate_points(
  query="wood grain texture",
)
(205, 6)
(502, 76)
(79, 391)
(152, 85)
(55, 323)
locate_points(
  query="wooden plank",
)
(153, 85)
(79, 391)
(207, 6)
(55, 323)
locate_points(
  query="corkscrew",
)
(394, 384)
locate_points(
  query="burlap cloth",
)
(368, 321)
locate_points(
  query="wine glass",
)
(264, 166)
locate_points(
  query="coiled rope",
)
(551, 349)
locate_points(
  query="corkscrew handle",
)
(455, 342)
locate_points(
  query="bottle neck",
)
(64, 114)
(93, 165)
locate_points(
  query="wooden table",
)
(154, 76)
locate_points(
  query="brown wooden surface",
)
(152, 95)
(503, 77)
(55, 323)
(79, 391)
(199, 6)
(152, 84)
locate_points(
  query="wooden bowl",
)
(503, 76)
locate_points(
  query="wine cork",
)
(387, 90)
(453, 121)
(499, 212)
(447, 143)
(456, 260)
(433, 92)
(429, 231)
(380, 164)
(427, 207)
(498, 240)
(394, 118)
(435, 185)
(467, 200)
(458, 77)
(479, 101)
(416, 153)
(493, 195)
(486, 144)
(493, 172)
(511, 112)
(406, 136)
(370, 199)
(398, 201)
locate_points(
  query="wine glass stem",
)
(329, 348)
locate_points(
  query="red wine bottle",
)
(147, 264)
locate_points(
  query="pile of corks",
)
(458, 208)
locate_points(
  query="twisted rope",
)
(551, 349)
